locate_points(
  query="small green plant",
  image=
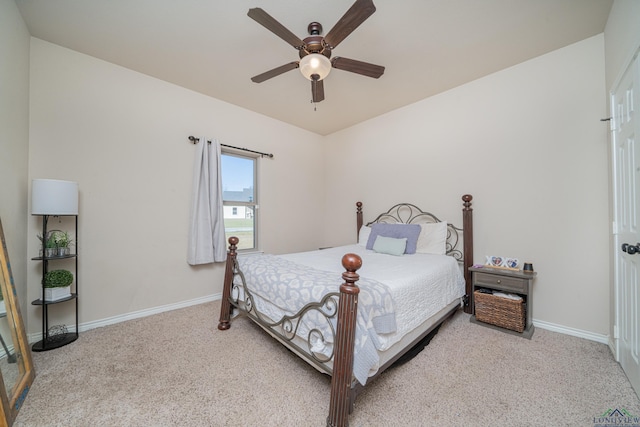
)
(61, 239)
(58, 279)
(48, 241)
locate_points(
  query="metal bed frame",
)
(342, 306)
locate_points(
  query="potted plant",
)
(62, 241)
(57, 284)
(48, 245)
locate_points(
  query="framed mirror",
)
(16, 365)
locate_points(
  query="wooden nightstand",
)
(509, 281)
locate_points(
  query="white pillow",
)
(363, 236)
(432, 239)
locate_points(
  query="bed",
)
(407, 273)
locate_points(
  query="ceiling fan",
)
(315, 50)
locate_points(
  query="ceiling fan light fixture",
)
(315, 64)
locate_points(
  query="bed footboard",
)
(317, 347)
(342, 392)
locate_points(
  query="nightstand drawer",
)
(505, 283)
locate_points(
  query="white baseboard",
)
(604, 339)
(133, 315)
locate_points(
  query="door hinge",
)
(615, 332)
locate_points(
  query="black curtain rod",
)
(196, 140)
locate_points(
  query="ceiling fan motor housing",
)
(315, 42)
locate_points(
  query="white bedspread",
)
(420, 285)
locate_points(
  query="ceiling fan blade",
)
(359, 67)
(356, 15)
(267, 21)
(275, 72)
(317, 90)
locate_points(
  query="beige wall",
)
(527, 143)
(14, 140)
(123, 137)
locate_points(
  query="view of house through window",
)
(239, 199)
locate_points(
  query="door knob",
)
(630, 249)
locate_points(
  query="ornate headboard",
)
(406, 213)
(459, 240)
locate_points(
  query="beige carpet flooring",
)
(177, 369)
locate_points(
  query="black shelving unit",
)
(57, 340)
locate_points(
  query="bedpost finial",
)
(233, 242)
(467, 200)
(351, 262)
(359, 206)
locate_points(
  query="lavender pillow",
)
(398, 231)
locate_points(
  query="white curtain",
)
(206, 230)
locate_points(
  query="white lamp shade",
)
(315, 63)
(54, 197)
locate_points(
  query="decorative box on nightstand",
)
(508, 315)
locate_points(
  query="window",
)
(239, 198)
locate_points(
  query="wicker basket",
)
(499, 311)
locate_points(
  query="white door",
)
(625, 127)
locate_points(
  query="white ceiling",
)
(213, 47)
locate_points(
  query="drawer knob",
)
(499, 281)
